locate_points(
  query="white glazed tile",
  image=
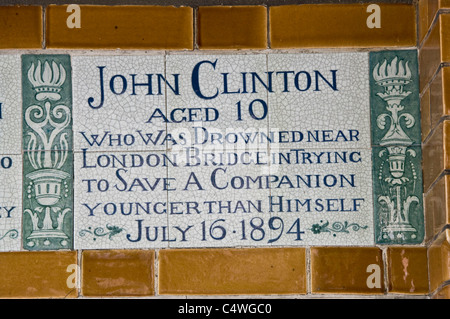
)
(120, 197)
(337, 115)
(314, 193)
(11, 203)
(11, 107)
(119, 123)
(215, 122)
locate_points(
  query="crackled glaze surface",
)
(10, 154)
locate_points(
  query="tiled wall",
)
(404, 271)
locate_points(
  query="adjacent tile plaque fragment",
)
(190, 150)
(222, 150)
(48, 159)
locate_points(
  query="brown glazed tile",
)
(429, 57)
(435, 49)
(439, 260)
(21, 27)
(349, 270)
(121, 27)
(444, 293)
(117, 273)
(232, 271)
(444, 24)
(436, 154)
(232, 27)
(425, 120)
(341, 25)
(437, 207)
(407, 270)
(436, 105)
(38, 274)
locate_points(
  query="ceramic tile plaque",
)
(210, 150)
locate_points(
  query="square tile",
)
(131, 27)
(437, 207)
(348, 270)
(232, 27)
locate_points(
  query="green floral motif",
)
(336, 227)
(100, 231)
(12, 233)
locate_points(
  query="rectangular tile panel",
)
(124, 27)
(222, 150)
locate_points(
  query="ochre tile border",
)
(341, 25)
